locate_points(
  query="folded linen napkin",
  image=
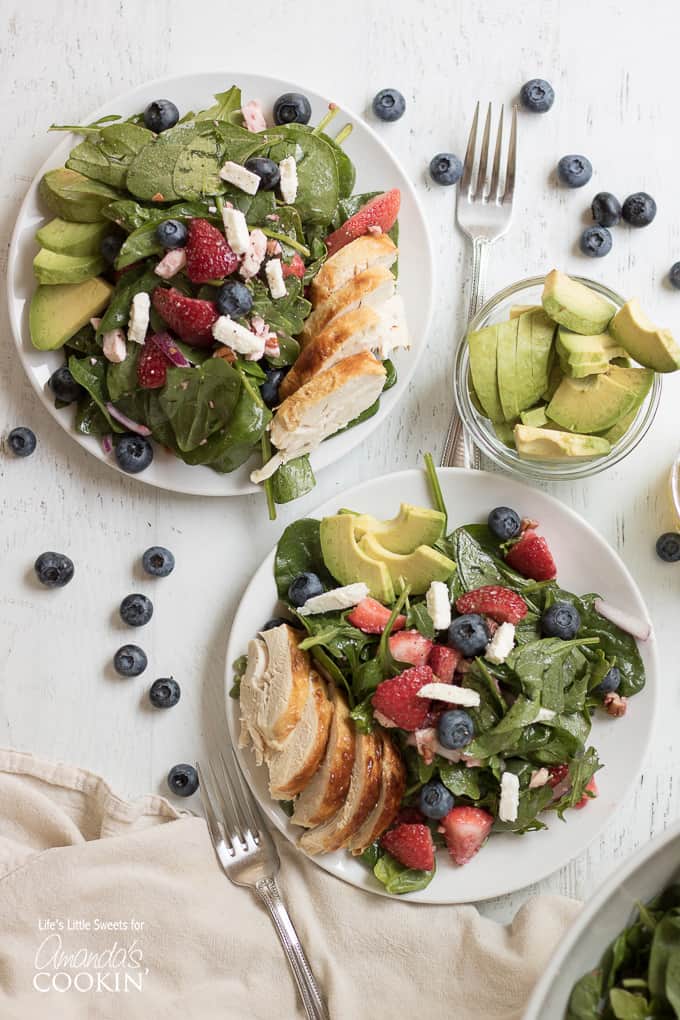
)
(118, 910)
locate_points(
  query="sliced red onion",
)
(107, 443)
(170, 349)
(640, 629)
(128, 423)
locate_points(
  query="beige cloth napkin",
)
(75, 858)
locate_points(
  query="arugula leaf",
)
(399, 879)
(539, 666)
(418, 618)
(299, 550)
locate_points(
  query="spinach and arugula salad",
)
(123, 206)
(638, 977)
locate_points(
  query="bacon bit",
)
(227, 353)
(615, 705)
(258, 325)
(527, 524)
(158, 197)
(375, 229)
(273, 247)
(253, 116)
(273, 216)
(538, 778)
(472, 763)
(271, 346)
(171, 263)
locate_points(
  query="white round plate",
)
(585, 564)
(377, 170)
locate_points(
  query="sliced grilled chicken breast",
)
(364, 789)
(393, 784)
(292, 768)
(328, 787)
(371, 287)
(363, 253)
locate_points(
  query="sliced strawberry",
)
(190, 318)
(465, 830)
(410, 646)
(381, 211)
(591, 788)
(531, 557)
(397, 698)
(371, 617)
(411, 845)
(209, 257)
(152, 366)
(295, 267)
(443, 661)
(558, 773)
(501, 604)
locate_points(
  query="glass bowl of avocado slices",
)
(559, 377)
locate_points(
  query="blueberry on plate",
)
(160, 115)
(389, 105)
(266, 169)
(606, 209)
(574, 170)
(561, 620)
(292, 108)
(171, 234)
(158, 562)
(668, 547)
(164, 693)
(133, 453)
(270, 387)
(234, 299)
(610, 682)
(596, 242)
(22, 441)
(455, 729)
(275, 621)
(183, 780)
(304, 586)
(537, 95)
(435, 800)
(130, 660)
(63, 385)
(504, 523)
(53, 569)
(674, 275)
(136, 610)
(446, 168)
(469, 634)
(110, 246)
(639, 209)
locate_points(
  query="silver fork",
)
(483, 211)
(248, 857)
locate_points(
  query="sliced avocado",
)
(597, 402)
(579, 348)
(574, 305)
(535, 417)
(475, 401)
(483, 349)
(554, 379)
(527, 390)
(419, 569)
(542, 350)
(73, 238)
(549, 444)
(348, 563)
(59, 311)
(74, 197)
(505, 433)
(619, 430)
(650, 346)
(506, 367)
(517, 310)
(413, 526)
(581, 370)
(52, 267)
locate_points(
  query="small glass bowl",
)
(497, 309)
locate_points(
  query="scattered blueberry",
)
(674, 275)
(110, 246)
(134, 453)
(561, 620)
(292, 108)
(266, 169)
(537, 95)
(164, 693)
(64, 386)
(446, 168)
(275, 621)
(455, 729)
(435, 800)
(610, 682)
(606, 209)
(158, 562)
(668, 547)
(160, 115)
(183, 780)
(639, 209)
(136, 610)
(304, 586)
(504, 523)
(234, 299)
(574, 171)
(596, 242)
(389, 104)
(171, 234)
(53, 569)
(22, 441)
(469, 634)
(130, 660)
(270, 387)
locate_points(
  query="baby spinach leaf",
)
(459, 779)
(238, 669)
(627, 1005)
(399, 879)
(371, 854)
(142, 242)
(584, 1002)
(121, 378)
(196, 170)
(506, 732)
(419, 619)
(298, 551)
(362, 716)
(531, 803)
(91, 374)
(89, 420)
(665, 946)
(318, 183)
(118, 311)
(106, 155)
(581, 770)
(227, 107)
(289, 351)
(292, 480)
(84, 342)
(366, 678)
(232, 445)
(285, 314)
(150, 173)
(539, 668)
(199, 401)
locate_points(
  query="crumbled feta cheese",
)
(240, 339)
(501, 644)
(451, 693)
(509, 802)
(138, 322)
(289, 179)
(538, 778)
(274, 274)
(114, 346)
(338, 598)
(253, 116)
(171, 263)
(252, 260)
(236, 229)
(545, 715)
(438, 605)
(245, 180)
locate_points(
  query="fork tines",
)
(231, 812)
(475, 184)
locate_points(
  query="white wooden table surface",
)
(614, 69)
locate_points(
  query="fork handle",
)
(315, 1007)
